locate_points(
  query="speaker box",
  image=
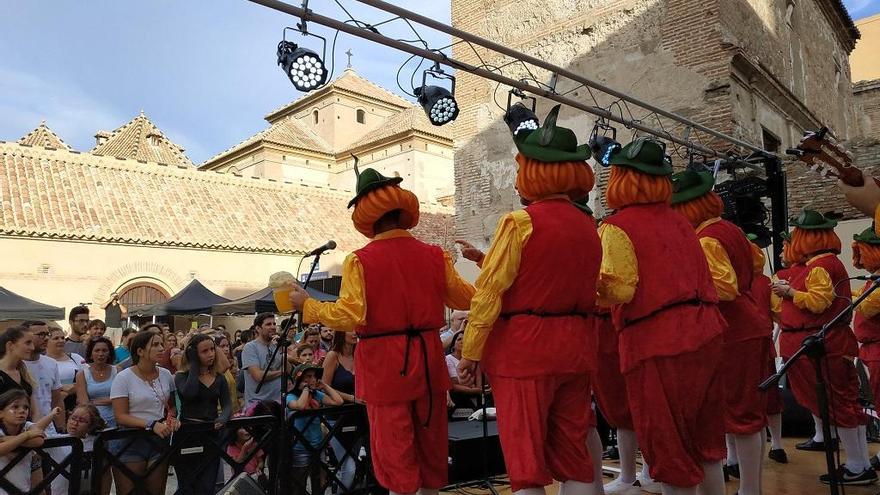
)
(242, 484)
(466, 446)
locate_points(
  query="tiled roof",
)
(411, 119)
(288, 131)
(44, 137)
(140, 139)
(59, 194)
(351, 82)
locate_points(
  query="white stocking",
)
(594, 446)
(751, 454)
(852, 444)
(627, 445)
(668, 489)
(775, 425)
(531, 491)
(713, 480)
(732, 458)
(819, 436)
(863, 442)
(571, 487)
(428, 491)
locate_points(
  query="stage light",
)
(304, 67)
(439, 103)
(603, 146)
(518, 117)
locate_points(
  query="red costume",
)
(840, 344)
(867, 331)
(762, 295)
(670, 345)
(609, 385)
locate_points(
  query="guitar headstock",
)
(827, 158)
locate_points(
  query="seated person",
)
(463, 396)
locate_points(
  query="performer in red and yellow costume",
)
(665, 309)
(807, 296)
(530, 325)
(747, 339)
(393, 295)
(866, 322)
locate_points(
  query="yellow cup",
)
(282, 299)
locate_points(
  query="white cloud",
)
(75, 116)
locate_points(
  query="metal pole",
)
(450, 62)
(464, 35)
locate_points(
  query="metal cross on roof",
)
(349, 57)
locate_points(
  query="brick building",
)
(760, 70)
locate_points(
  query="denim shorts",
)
(131, 450)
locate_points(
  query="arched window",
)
(315, 116)
(140, 294)
(361, 116)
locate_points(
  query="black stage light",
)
(304, 67)
(518, 117)
(603, 146)
(439, 103)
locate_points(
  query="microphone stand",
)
(814, 348)
(282, 479)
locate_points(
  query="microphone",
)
(326, 247)
(868, 277)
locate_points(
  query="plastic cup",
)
(282, 299)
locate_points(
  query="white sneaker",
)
(618, 487)
(649, 486)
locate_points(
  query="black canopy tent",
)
(16, 307)
(194, 299)
(261, 301)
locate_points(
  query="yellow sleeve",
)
(758, 259)
(723, 275)
(819, 294)
(458, 291)
(877, 219)
(500, 267)
(619, 271)
(870, 307)
(350, 310)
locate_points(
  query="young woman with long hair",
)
(142, 399)
(202, 390)
(16, 345)
(93, 383)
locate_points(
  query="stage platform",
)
(799, 477)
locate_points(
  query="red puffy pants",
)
(677, 405)
(609, 386)
(843, 389)
(406, 455)
(745, 366)
(542, 424)
(874, 379)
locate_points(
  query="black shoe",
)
(778, 455)
(815, 446)
(847, 477)
(875, 463)
(732, 470)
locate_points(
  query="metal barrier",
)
(345, 426)
(68, 466)
(189, 439)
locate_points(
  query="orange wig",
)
(698, 210)
(628, 186)
(866, 256)
(807, 242)
(378, 202)
(536, 180)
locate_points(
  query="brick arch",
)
(140, 272)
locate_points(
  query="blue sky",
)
(203, 70)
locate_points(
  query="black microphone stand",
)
(282, 480)
(814, 348)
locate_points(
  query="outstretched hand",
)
(469, 252)
(864, 198)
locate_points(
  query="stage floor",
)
(799, 477)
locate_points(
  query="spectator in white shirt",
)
(47, 378)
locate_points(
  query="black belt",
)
(543, 314)
(411, 333)
(689, 302)
(800, 329)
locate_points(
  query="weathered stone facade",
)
(757, 69)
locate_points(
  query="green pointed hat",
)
(550, 143)
(786, 236)
(868, 236)
(369, 180)
(813, 220)
(646, 155)
(690, 184)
